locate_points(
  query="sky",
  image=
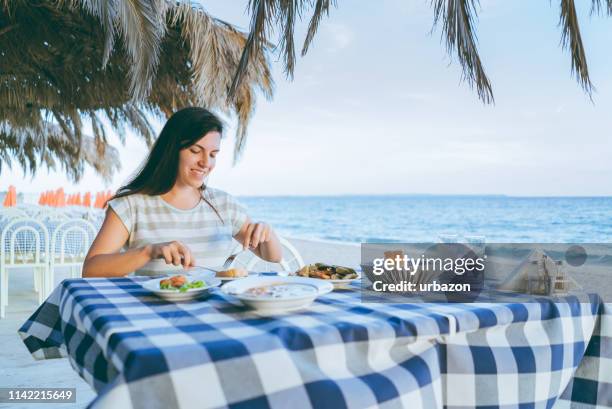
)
(378, 107)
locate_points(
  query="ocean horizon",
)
(362, 218)
(426, 218)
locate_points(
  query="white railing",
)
(41, 239)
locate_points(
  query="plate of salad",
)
(182, 287)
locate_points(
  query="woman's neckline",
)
(178, 209)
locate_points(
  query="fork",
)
(228, 262)
(231, 259)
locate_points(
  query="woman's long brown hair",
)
(159, 172)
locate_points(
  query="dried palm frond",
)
(571, 38)
(457, 17)
(283, 14)
(47, 144)
(116, 63)
(596, 6)
(321, 7)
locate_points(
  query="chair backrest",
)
(291, 261)
(95, 216)
(71, 240)
(54, 214)
(29, 209)
(24, 241)
(10, 213)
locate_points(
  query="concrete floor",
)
(17, 367)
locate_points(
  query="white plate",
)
(337, 283)
(343, 283)
(269, 305)
(175, 295)
(251, 274)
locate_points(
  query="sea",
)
(432, 218)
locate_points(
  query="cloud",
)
(341, 36)
(416, 96)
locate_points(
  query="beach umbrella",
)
(107, 197)
(7, 199)
(98, 202)
(11, 196)
(61, 198)
(114, 65)
(87, 199)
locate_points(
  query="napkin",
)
(538, 274)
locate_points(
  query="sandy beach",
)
(328, 252)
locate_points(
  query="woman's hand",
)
(261, 239)
(255, 234)
(173, 252)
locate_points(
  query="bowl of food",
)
(181, 287)
(340, 277)
(269, 294)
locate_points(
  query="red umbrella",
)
(61, 197)
(11, 197)
(87, 199)
(7, 199)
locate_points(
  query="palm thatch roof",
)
(108, 64)
(113, 62)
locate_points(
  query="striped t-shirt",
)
(150, 220)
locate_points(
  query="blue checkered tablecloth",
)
(138, 351)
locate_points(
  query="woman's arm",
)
(261, 239)
(105, 260)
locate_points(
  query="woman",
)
(166, 218)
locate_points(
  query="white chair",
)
(31, 210)
(70, 243)
(53, 215)
(9, 213)
(291, 261)
(95, 216)
(24, 243)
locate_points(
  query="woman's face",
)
(198, 160)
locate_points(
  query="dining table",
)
(137, 350)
